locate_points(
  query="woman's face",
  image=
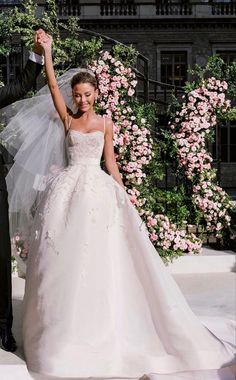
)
(84, 95)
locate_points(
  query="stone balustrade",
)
(139, 9)
(108, 9)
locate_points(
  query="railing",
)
(178, 9)
(137, 9)
(68, 8)
(10, 2)
(7, 4)
(122, 8)
(150, 9)
(224, 9)
(162, 93)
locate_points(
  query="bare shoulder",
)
(109, 124)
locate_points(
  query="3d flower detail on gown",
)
(99, 302)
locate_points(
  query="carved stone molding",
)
(174, 25)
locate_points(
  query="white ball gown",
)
(99, 302)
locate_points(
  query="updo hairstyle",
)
(84, 77)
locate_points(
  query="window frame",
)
(225, 48)
(11, 67)
(216, 148)
(172, 48)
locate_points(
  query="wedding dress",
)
(99, 302)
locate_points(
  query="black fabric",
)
(5, 263)
(9, 94)
(19, 87)
(6, 160)
(2, 173)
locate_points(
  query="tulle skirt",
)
(99, 302)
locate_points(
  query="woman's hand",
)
(37, 48)
(44, 40)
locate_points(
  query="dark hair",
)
(84, 77)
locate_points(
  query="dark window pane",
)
(2, 59)
(169, 74)
(227, 56)
(224, 153)
(4, 74)
(233, 134)
(233, 154)
(213, 152)
(174, 67)
(223, 140)
(10, 67)
(233, 143)
(224, 135)
(8, 2)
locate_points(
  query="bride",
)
(99, 302)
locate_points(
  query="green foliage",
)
(89, 50)
(231, 114)
(127, 54)
(155, 170)
(67, 46)
(24, 20)
(177, 203)
(6, 28)
(230, 77)
(215, 67)
(146, 111)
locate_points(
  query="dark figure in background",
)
(9, 94)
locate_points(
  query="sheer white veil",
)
(34, 135)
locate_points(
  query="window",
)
(224, 149)
(3, 69)
(9, 2)
(174, 67)
(10, 67)
(228, 56)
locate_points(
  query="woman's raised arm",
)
(51, 79)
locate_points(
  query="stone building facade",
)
(173, 35)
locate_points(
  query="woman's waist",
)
(86, 161)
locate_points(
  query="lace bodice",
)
(84, 148)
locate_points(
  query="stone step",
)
(209, 261)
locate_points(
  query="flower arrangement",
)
(21, 246)
(20, 249)
(134, 150)
(168, 237)
(132, 138)
(191, 126)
